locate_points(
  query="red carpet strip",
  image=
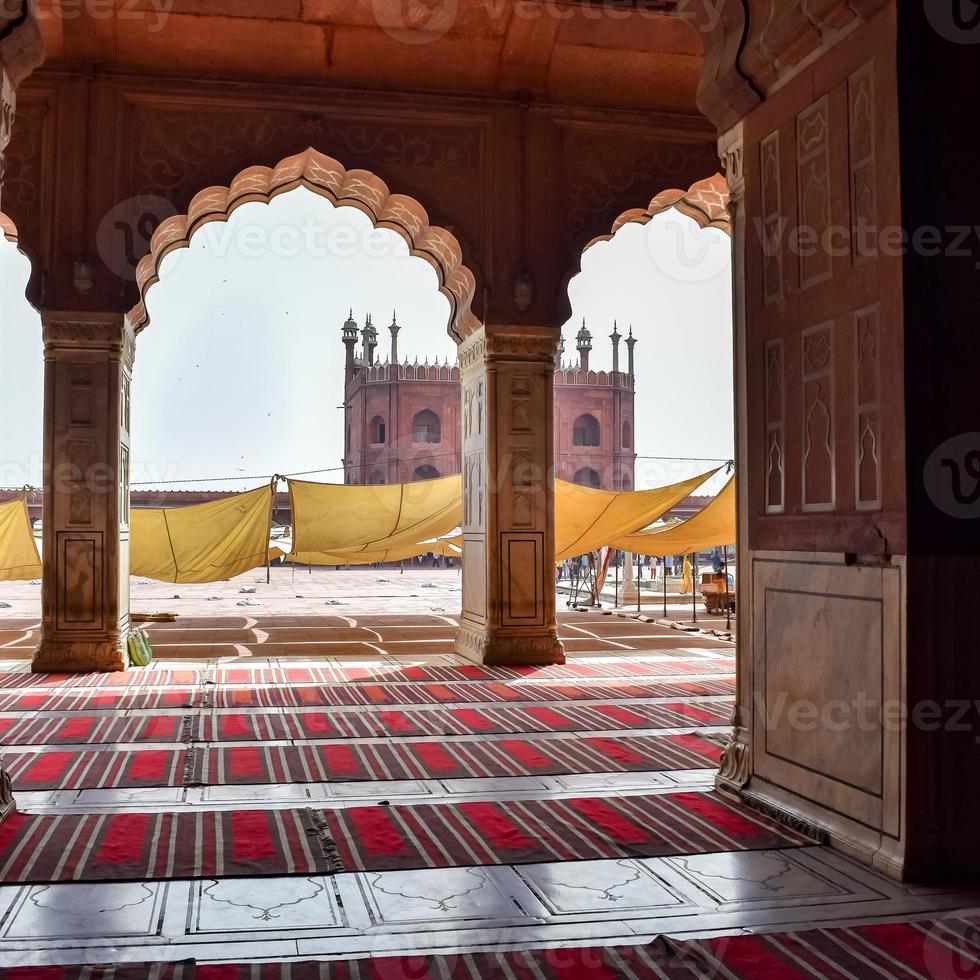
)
(238, 766)
(239, 726)
(209, 844)
(355, 694)
(927, 949)
(397, 838)
(474, 692)
(385, 673)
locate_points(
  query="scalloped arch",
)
(706, 201)
(327, 177)
(8, 229)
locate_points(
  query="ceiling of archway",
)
(629, 54)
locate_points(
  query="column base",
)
(484, 645)
(735, 767)
(7, 803)
(79, 656)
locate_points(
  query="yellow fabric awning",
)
(587, 519)
(712, 527)
(19, 558)
(202, 542)
(337, 524)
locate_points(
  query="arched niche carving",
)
(327, 177)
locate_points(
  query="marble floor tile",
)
(117, 910)
(274, 905)
(604, 888)
(434, 898)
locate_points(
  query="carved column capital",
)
(509, 343)
(77, 331)
(730, 151)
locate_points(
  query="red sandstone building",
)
(402, 420)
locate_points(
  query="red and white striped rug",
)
(359, 723)
(56, 769)
(235, 843)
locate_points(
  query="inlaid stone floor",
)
(438, 909)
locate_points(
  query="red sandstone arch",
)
(706, 201)
(328, 178)
(8, 229)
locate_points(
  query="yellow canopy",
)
(202, 542)
(19, 558)
(711, 527)
(335, 524)
(587, 519)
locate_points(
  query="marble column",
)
(85, 593)
(507, 379)
(735, 765)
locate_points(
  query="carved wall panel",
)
(772, 221)
(819, 463)
(775, 428)
(862, 161)
(813, 182)
(867, 410)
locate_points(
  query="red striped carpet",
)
(338, 695)
(390, 672)
(209, 844)
(238, 726)
(239, 766)
(461, 693)
(929, 949)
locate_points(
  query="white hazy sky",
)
(240, 372)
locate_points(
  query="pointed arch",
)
(328, 178)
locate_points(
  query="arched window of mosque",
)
(627, 435)
(585, 432)
(586, 477)
(377, 477)
(426, 472)
(377, 430)
(426, 427)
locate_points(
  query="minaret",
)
(630, 344)
(369, 339)
(560, 353)
(584, 344)
(393, 329)
(349, 335)
(615, 338)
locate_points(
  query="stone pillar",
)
(507, 381)
(20, 52)
(85, 594)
